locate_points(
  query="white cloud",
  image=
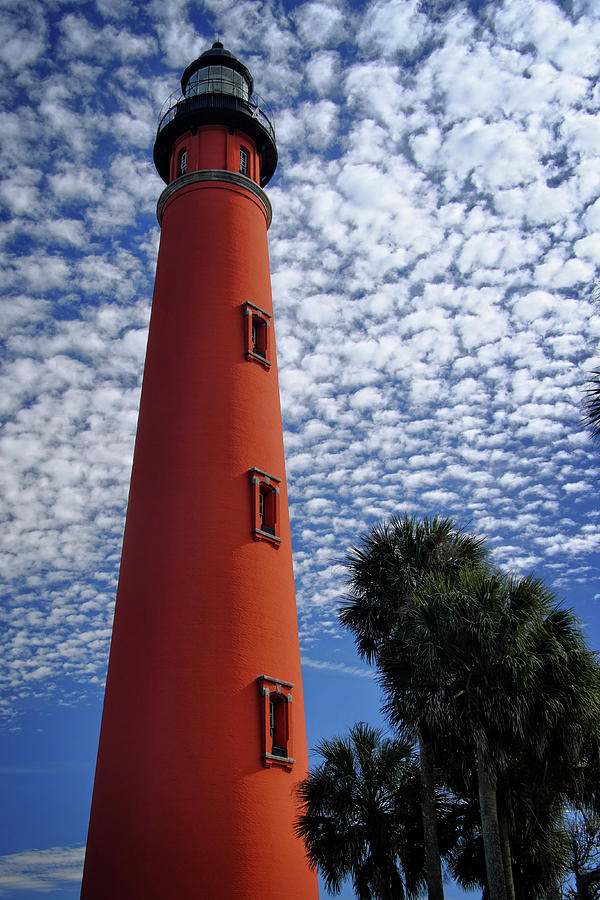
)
(589, 248)
(322, 71)
(23, 35)
(572, 46)
(495, 155)
(338, 668)
(40, 871)
(81, 38)
(394, 26)
(320, 24)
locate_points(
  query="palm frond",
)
(354, 809)
(591, 404)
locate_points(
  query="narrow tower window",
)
(182, 162)
(243, 161)
(276, 721)
(277, 725)
(257, 334)
(265, 506)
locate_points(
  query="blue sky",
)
(434, 254)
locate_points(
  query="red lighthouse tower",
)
(203, 738)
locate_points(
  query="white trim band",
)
(214, 175)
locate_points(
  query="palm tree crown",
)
(390, 563)
(357, 821)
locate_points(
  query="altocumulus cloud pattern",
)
(434, 250)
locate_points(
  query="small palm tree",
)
(360, 816)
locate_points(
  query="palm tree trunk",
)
(506, 854)
(433, 867)
(491, 832)
(553, 891)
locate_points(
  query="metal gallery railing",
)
(177, 104)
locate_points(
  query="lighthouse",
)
(203, 739)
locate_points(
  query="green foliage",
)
(495, 677)
(583, 840)
(360, 816)
(389, 564)
(493, 660)
(591, 404)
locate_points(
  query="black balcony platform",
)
(191, 112)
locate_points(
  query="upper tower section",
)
(216, 90)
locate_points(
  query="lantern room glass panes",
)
(217, 80)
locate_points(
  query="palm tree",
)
(558, 761)
(384, 572)
(583, 835)
(591, 404)
(499, 667)
(360, 817)
(545, 774)
(390, 563)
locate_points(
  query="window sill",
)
(260, 535)
(286, 762)
(266, 363)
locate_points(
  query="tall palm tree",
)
(544, 774)
(495, 663)
(558, 760)
(583, 835)
(384, 571)
(360, 817)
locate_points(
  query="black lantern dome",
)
(216, 90)
(203, 70)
